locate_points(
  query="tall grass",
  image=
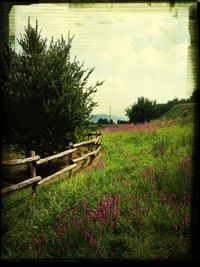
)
(132, 203)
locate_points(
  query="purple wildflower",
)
(163, 198)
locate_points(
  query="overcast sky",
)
(138, 50)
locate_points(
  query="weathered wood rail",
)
(34, 160)
(94, 153)
(23, 184)
(19, 161)
(57, 156)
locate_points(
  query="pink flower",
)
(92, 216)
(100, 164)
(34, 239)
(90, 238)
(59, 229)
(163, 198)
(87, 235)
(173, 196)
(115, 213)
(186, 220)
(105, 205)
(113, 225)
(93, 242)
(86, 218)
(78, 223)
(128, 195)
(43, 239)
(186, 197)
(117, 197)
(99, 214)
(102, 198)
(85, 205)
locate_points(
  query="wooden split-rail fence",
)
(34, 160)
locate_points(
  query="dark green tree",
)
(122, 122)
(102, 121)
(46, 97)
(143, 110)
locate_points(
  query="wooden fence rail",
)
(59, 155)
(94, 153)
(84, 143)
(21, 185)
(19, 161)
(34, 160)
(68, 168)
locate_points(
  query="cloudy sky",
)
(137, 49)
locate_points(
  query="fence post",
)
(33, 172)
(91, 147)
(70, 158)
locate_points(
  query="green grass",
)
(180, 111)
(133, 203)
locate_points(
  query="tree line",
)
(146, 110)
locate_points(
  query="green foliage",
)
(122, 122)
(146, 110)
(186, 110)
(102, 121)
(142, 111)
(46, 94)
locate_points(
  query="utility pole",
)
(110, 115)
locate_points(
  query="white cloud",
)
(136, 53)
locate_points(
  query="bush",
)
(141, 111)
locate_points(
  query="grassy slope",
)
(133, 182)
(180, 111)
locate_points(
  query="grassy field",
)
(134, 202)
(186, 110)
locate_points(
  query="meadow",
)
(133, 202)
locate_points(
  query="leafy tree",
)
(111, 121)
(146, 110)
(122, 122)
(102, 121)
(46, 97)
(143, 110)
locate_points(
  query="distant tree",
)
(143, 110)
(160, 110)
(111, 121)
(122, 122)
(172, 103)
(45, 94)
(146, 110)
(102, 121)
